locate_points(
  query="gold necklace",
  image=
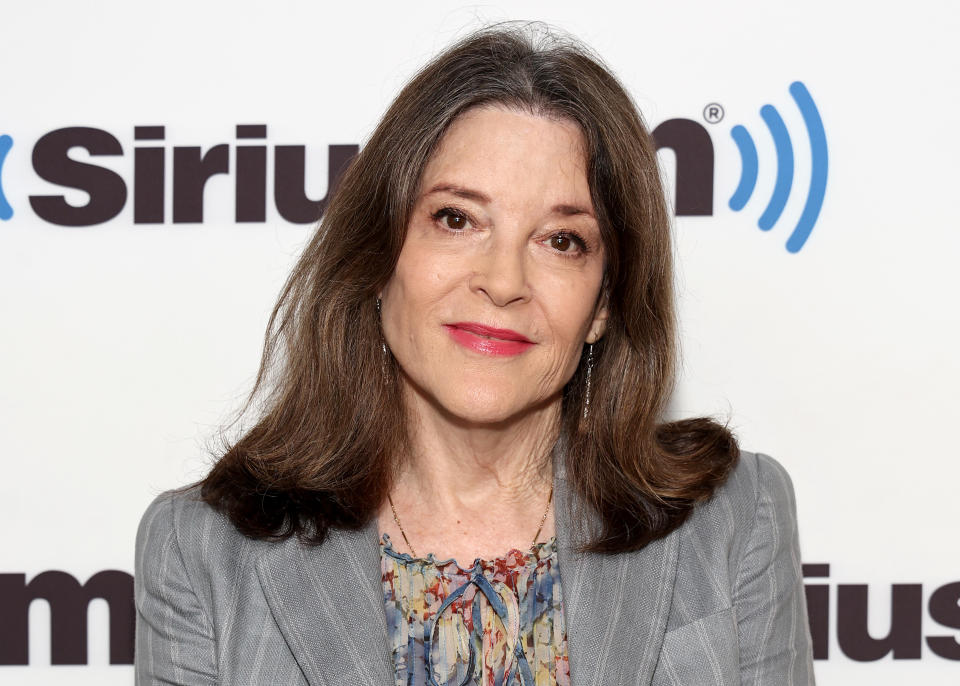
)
(407, 540)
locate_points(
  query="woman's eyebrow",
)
(563, 209)
(459, 191)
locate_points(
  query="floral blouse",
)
(498, 623)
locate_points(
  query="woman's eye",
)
(451, 219)
(563, 242)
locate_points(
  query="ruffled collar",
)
(514, 559)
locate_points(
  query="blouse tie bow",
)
(499, 607)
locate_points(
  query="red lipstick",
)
(487, 339)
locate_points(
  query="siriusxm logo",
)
(785, 167)
(192, 168)
(246, 161)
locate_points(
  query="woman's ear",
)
(599, 324)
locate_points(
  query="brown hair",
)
(323, 450)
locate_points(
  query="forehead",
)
(508, 149)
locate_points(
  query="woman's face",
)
(503, 235)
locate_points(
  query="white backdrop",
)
(124, 346)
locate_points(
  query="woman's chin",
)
(488, 408)
(481, 408)
(473, 401)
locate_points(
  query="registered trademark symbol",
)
(713, 113)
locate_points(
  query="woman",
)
(477, 345)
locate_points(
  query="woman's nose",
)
(501, 272)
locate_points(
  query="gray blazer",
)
(718, 601)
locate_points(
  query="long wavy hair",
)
(330, 425)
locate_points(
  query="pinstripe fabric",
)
(718, 601)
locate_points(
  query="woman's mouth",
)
(488, 340)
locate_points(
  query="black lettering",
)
(693, 149)
(190, 173)
(905, 637)
(288, 181)
(148, 182)
(818, 615)
(251, 197)
(68, 615)
(945, 609)
(108, 192)
(818, 610)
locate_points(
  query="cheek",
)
(569, 318)
(569, 305)
(423, 277)
(419, 282)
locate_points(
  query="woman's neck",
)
(468, 490)
(456, 461)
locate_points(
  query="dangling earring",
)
(586, 403)
(383, 343)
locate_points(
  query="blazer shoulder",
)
(752, 508)
(206, 541)
(174, 513)
(754, 477)
(757, 486)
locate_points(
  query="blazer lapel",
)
(328, 602)
(615, 606)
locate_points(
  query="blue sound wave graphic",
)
(781, 189)
(785, 165)
(5, 144)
